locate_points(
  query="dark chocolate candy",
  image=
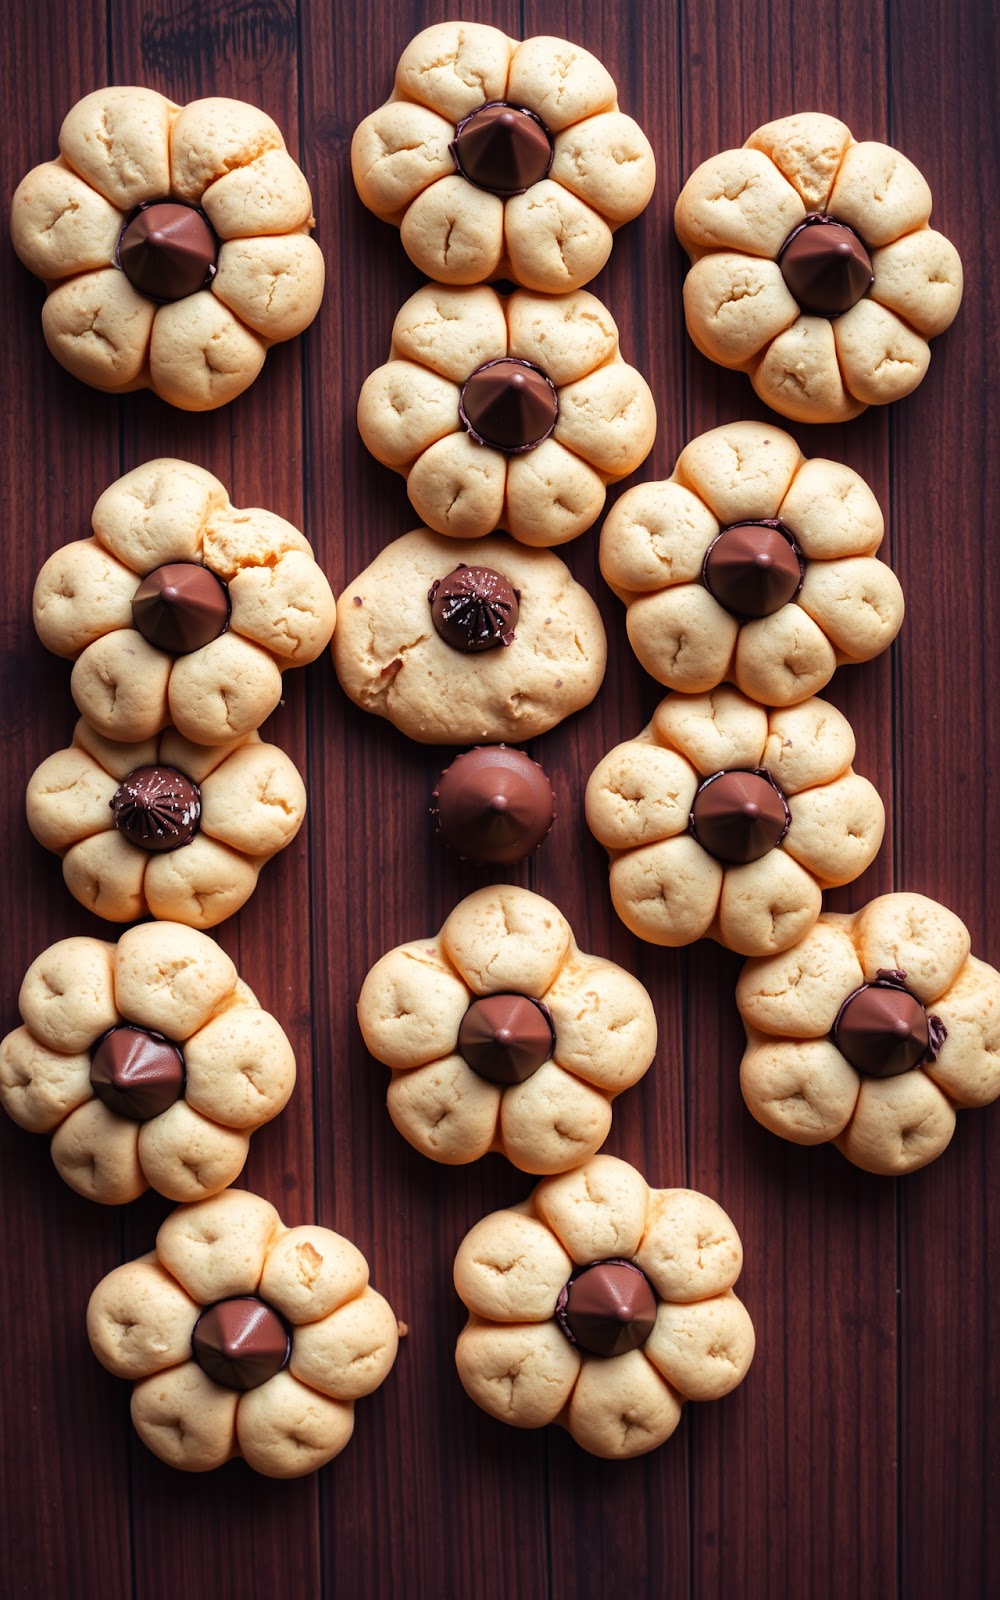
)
(241, 1343)
(136, 1073)
(506, 1037)
(883, 1030)
(180, 607)
(502, 147)
(167, 250)
(739, 816)
(509, 405)
(474, 608)
(753, 568)
(157, 808)
(608, 1308)
(825, 266)
(494, 804)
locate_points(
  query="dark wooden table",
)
(859, 1456)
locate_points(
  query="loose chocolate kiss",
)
(167, 249)
(826, 266)
(494, 804)
(180, 607)
(608, 1308)
(883, 1030)
(474, 608)
(506, 1037)
(739, 816)
(240, 1343)
(753, 568)
(136, 1072)
(157, 808)
(509, 405)
(503, 148)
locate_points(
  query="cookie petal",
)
(881, 359)
(668, 892)
(170, 978)
(397, 152)
(201, 884)
(808, 744)
(254, 801)
(81, 594)
(800, 1089)
(690, 1249)
(909, 933)
(454, 67)
(552, 495)
(288, 608)
(899, 1124)
(187, 1157)
(506, 938)
(200, 354)
(350, 1352)
(607, 161)
(559, 81)
(799, 375)
(920, 278)
(240, 1068)
(97, 1154)
(100, 329)
(654, 536)
(284, 1429)
(185, 1418)
(510, 1268)
(118, 140)
(120, 684)
(274, 285)
(742, 471)
(553, 1121)
(807, 149)
(67, 996)
(737, 200)
(703, 1350)
(69, 798)
(798, 993)
(226, 689)
(451, 331)
(217, 1248)
(857, 602)
(457, 487)
(140, 1320)
(310, 1271)
(783, 658)
(604, 1024)
(598, 1210)
(683, 637)
(554, 241)
(159, 512)
(609, 419)
(522, 1375)
(107, 874)
(216, 136)
(39, 1087)
(622, 1407)
(236, 538)
(735, 304)
(714, 731)
(403, 409)
(767, 905)
(968, 1064)
(445, 1110)
(879, 193)
(269, 195)
(568, 335)
(832, 512)
(411, 1005)
(454, 232)
(59, 225)
(638, 794)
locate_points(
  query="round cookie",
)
(502, 1035)
(726, 820)
(872, 1032)
(244, 1338)
(602, 1305)
(149, 1062)
(753, 565)
(500, 159)
(506, 411)
(165, 828)
(173, 242)
(522, 645)
(181, 608)
(814, 269)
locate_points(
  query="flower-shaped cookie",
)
(182, 608)
(502, 1035)
(468, 643)
(173, 242)
(150, 1062)
(726, 820)
(244, 1338)
(751, 564)
(499, 159)
(603, 1305)
(506, 412)
(871, 1032)
(813, 268)
(165, 828)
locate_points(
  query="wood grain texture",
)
(858, 1457)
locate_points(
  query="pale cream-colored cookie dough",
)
(182, 608)
(726, 820)
(602, 1305)
(872, 1032)
(149, 1062)
(814, 268)
(503, 159)
(751, 564)
(165, 828)
(244, 1338)
(502, 1035)
(173, 242)
(507, 411)
(529, 646)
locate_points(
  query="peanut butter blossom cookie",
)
(502, 1035)
(149, 1062)
(244, 1338)
(602, 1305)
(872, 1032)
(500, 159)
(173, 242)
(814, 269)
(165, 827)
(510, 412)
(752, 564)
(458, 642)
(726, 820)
(182, 608)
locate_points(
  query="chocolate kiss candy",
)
(136, 1073)
(167, 250)
(494, 804)
(509, 405)
(607, 1309)
(240, 1343)
(157, 808)
(181, 607)
(739, 816)
(882, 1030)
(505, 1037)
(753, 569)
(474, 608)
(502, 148)
(825, 266)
